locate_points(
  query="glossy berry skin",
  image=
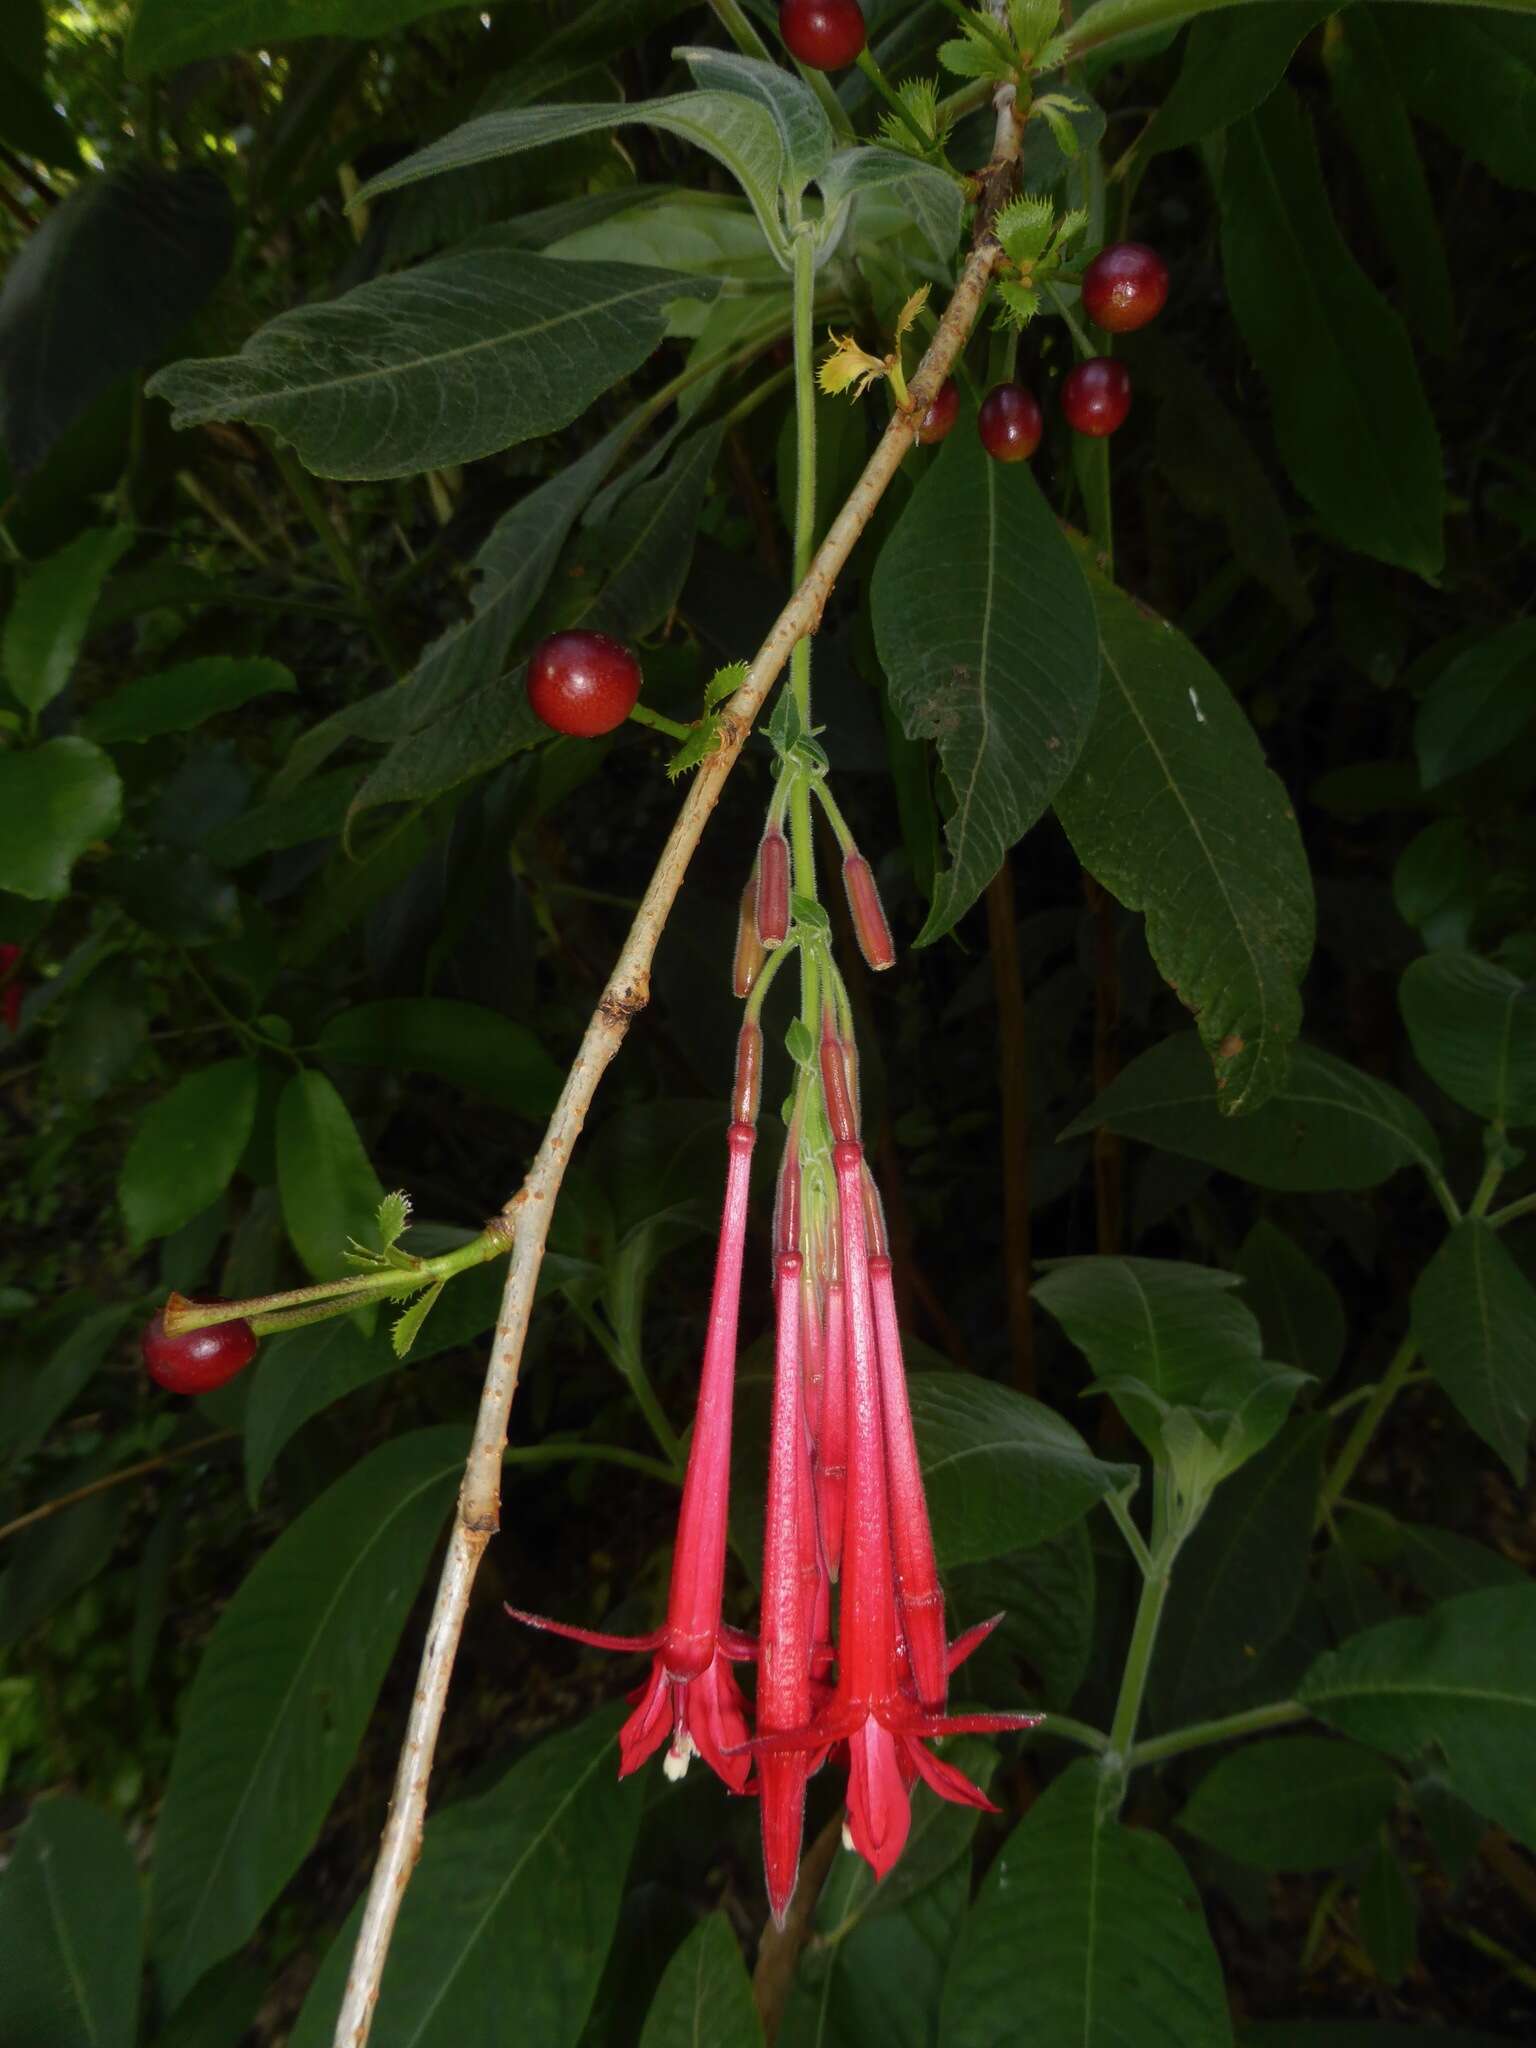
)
(1010, 423)
(1124, 287)
(824, 34)
(199, 1361)
(582, 684)
(941, 415)
(1096, 396)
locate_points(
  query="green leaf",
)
(1330, 1126)
(1462, 1678)
(328, 1188)
(147, 244)
(1350, 415)
(52, 611)
(283, 1693)
(1240, 1577)
(736, 132)
(510, 1912)
(49, 1564)
(55, 800)
(1002, 1471)
(393, 1214)
(222, 2008)
(166, 36)
(186, 1148)
(1481, 700)
(1388, 1911)
(883, 1979)
(1474, 1318)
(1174, 809)
(929, 198)
(34, 1402)
(178, 699)
(1232, 63)
(803, 127)
(1046, 1596)
(987, 638)
(101, 1032)
(296, 1375)
(1176, 1326)
(640, 558)
(1298, 1306)
(479, 348)
(706, 1994)
(487, 1055)
(1300, 1802)
(1474, 79)
(406, 1327)
(1473, 1030)
(1374, 118)
(317, 810)
(1117, 1949)
(70, 1932)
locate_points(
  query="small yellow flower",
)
(849, 365)
(911, 309)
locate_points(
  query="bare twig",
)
(530, 1209)
(125, 1472)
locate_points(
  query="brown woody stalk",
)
(530, 1209)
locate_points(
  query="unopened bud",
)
(874, 1220)
(748, 1089)
(834, 1089)
(786, 1211)
(750, 956)
(867, 912)
(773, 889)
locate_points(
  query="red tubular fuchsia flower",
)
(784, 1642)
(832, 1437)
(917, 1574)
(691, 1693)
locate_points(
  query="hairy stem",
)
(1252, 1721)
(530, 1209)
(1358, 1441)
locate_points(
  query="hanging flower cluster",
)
(860, 1678)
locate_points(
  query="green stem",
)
(1075, 1731)
(591, 1454)
(642, 714)
(894, 101)
(1201, 1733)
(1149, 1615)
(746, 38)
(1358, 1441)
(1511, 1211)
(1119, 1507)
(626, 1361)
(1493, 1173)
(801, 835)
(352, 1292)
(1342, 1407)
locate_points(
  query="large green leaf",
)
(926, 196)
(1173, 808)
(1463, 1679)
(1113, 24)
(1473, 1029)
(1297, 1305)
(487, 1055)
(1300, 1802)
(166, 34)
(180, 698)
(987, 638)
(1241, 1576)
(739, 133)
(103, 287)
(52, 610)
(1002, 1471)
(1474, 78)
(705, 1997)
(70, 1932)
(1232, 63)
(186, 1148)
(462, 356)
(803, 127)
(877, 1974)
(1370, 107)
(54, 801)
(1481, 700)
(1330, 1126)
(1178, 1327)
(329, 1189)
(34, 1401)
(282, 1695)
(644, 550)
(511, 1909)
(1350, 416)
(1474, 1316)
(1092, 1930)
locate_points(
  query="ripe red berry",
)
(825, 34)
(199, 1361)
(582, 684)
(1096, 396)
(940, 416)
(1124, 287)
(1010, 423)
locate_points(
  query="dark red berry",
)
(1010, 423)
(582, 684)
(1096, 396)
(940, 416)
(199, 1361)
(1124, 287)
(825, 34)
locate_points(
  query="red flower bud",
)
(868, 913)
(748, 963)
(773, 889)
